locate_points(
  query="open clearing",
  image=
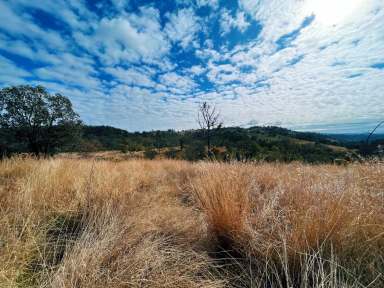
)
(163, 223)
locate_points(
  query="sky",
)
(314, 65)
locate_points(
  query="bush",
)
(195, 151)
(171, 153)
(150, 154)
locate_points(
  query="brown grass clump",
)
(224, 197)
(85, 223)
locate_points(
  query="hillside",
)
(354, 138)
(255, 143)
(229, 143)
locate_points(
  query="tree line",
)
(35, 121)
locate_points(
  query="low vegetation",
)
(227, 143)
(168, 223)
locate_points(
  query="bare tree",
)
(366, 148)
(208, 119)
(373, 131)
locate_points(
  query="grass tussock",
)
(81, 223)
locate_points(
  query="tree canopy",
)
(40, 120)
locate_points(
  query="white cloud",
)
(132, 76)
(120, 4)
(69, 12)
(197, 70)
(212, 3)
(118, 68)
(182, 27)
(228, 22)
(177, 84)
(70, 75)
(21, 26)
(311, 90)
(17, 47)
(278, 16)
(12, 74)
(222, 74)
(132, 38)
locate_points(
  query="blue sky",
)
(143, 65)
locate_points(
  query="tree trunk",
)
(209, 140)
(33, 146)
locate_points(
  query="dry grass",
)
(84, 223)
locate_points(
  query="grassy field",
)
(86, 223)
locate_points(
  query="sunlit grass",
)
(85, 223)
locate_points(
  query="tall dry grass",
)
(84, 223)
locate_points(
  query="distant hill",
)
(254, 143)
(243, 144)
(355, 137)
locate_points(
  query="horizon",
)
(306, 65)
(325, 131)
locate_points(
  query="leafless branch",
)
(208, 119)
(373, 131)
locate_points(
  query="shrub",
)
(195, 151)
(171, 153)
(150, 154)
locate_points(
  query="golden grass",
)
(85, 223)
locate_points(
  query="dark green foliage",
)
(32, 120)
(150, 154)
(111, 138)
(171, 153)
(242, 144)
(231, 143)
(195, 151)
(9, 144)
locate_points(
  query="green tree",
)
(43, 121)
